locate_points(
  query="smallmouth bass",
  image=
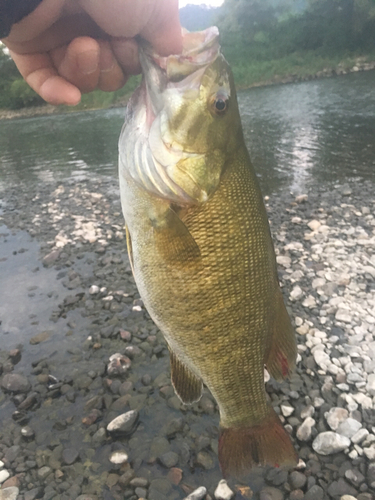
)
(200, 246)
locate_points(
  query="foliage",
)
(262, 39)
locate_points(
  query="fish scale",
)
(207, 275)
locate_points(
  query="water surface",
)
(300, 133)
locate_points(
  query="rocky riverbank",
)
(87, 409)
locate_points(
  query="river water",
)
(297, 134)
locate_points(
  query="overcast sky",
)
(214, 3)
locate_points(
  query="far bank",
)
(290, 69)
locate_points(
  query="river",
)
(297, 134)
(301, 136)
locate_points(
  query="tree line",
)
(259, 38)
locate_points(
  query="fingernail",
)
(88, 62)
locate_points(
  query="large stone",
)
(14, 382)
(327, 443)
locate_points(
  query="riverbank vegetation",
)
(265, 41)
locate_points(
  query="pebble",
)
(314, 493)
(169, 459)
(118, 457)
(359, 436)
(327, 443)
(297, 480)
(335, 417)
(197, 494)
(14, 382)
(270, 493)
(10, 493)
(4, 475)
(304, 431)
(118, 365)
(349, 427)
(125, 423)
(223, 492)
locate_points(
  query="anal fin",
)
(187, 386)
(281, 355)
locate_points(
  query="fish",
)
(200, 247)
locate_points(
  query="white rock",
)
(318, 282)
(284, 260)
(286, 410)
(321, 359)
(359, 436)
(314, 225)
(296, 293)
(124, 423)
(309, 302)
(304, 430)
(308, 411)
(4, 475)
(349, 427)
(118, 457)
(347, 497)
(327, 443)
(10, 493)
(335, 416)
(371, 384)
(363, 400)
(370, 452)
(197, 494)
(223, 492)
(343, 315)
(94, 289)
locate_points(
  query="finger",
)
(111, 76)
(78, 63)
(163, 29)
(126, 53)
(39, 72)
(63, 31)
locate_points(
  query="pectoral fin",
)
(187, 386)
(281, 356)
(173, 239)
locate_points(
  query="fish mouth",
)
(178, 71)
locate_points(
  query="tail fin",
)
(241, 448)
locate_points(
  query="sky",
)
(213, 3)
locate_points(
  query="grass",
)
(299, 65)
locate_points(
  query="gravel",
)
(86, 403)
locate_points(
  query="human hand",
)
(65, 47)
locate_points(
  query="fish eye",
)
(220, 104)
